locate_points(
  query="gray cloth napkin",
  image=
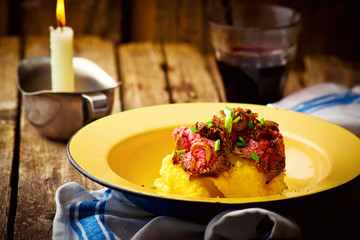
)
(107, 214)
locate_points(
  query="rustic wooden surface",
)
(44, 162)
(102, 18)
(143, 81)
(189, 80)
(158, 74)
(151, 73)
(329, 27)
(323, 25)
(9, 52)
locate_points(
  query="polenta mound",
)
(242, 180)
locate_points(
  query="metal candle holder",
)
(58, 115)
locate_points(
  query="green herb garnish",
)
(228, 123)
(217, 145)
(228, 111)
(153, 187)
(180, 151)
(236, 120)
(251, 126)
(193, 129)
(209, 123)
(255, 157)
(229, 118)
(242, 142)
(262, 121)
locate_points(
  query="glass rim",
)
(212, 21)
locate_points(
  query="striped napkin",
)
(107, 214)
(329, 101)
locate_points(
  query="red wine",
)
(252, 75)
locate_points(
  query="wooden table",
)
(33, 167)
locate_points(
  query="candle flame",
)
(60, 13)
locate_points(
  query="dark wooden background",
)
(329, 27)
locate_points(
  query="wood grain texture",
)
(44, 166)
(182, 21)
(328, 68)
(143, 79)
(215, 74)
(294, 82)
(101, 18)
(142, 19)
(189, 79)
(9, 60)
(102, 52)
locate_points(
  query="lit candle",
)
(61, 46)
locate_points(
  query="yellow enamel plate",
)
(124, 152)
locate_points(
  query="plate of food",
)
(194, 160)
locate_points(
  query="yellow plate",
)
(124, 152)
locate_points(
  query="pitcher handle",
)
(95, 106)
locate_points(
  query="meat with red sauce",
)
(198, 156)
(241, 136)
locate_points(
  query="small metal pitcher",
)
(58, 115)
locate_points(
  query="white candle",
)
(62, 71)
(61, 46)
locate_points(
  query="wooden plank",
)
(215, 75)
(102, 52)
(102, 18)
(189, 79)
(9, 60)
(143, 79)
(43, 163)
(142, 20)
(327, 68)
(181, 21)
(294, 82)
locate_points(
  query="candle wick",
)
(60, 25)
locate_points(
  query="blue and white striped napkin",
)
(332, 102)
(107, 214)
